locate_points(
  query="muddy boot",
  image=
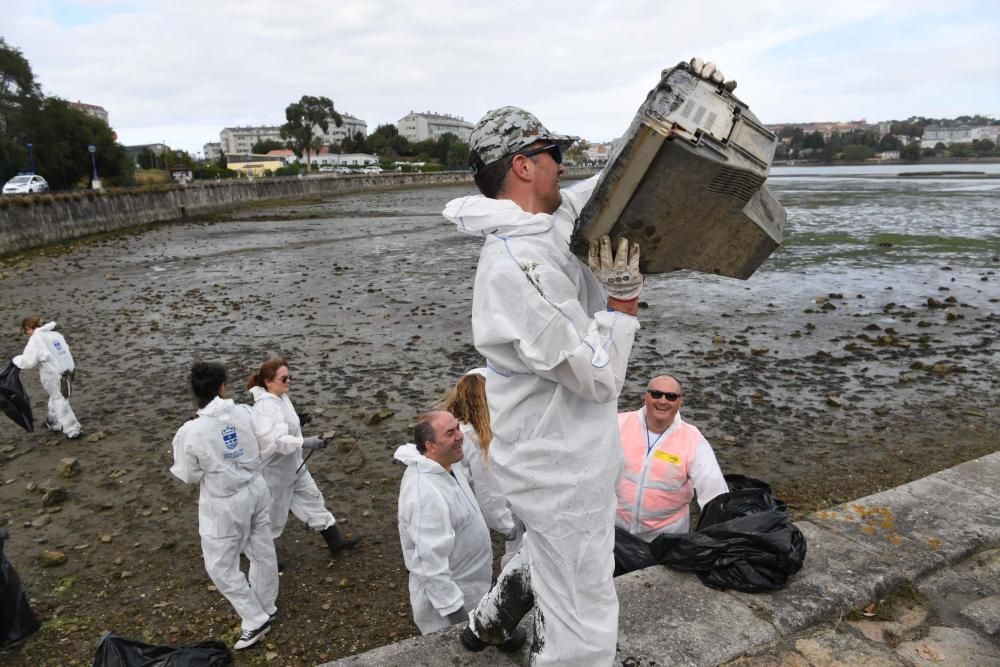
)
(337, 542)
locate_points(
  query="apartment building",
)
(91, 110)
(427, 125)
(211, 151)
(242, 139)
(963, 134)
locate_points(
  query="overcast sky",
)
(180, 70)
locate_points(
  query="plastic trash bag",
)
(631, 553)
(14, 400)
(743, 541)
(117, 651)
(16, 618)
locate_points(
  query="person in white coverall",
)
(445, 541)
(467, 401)
(667, 461)
(557, 346)
(47, 350)
(556, 337)
(292, 487)
(221, 451)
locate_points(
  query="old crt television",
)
(687, 183)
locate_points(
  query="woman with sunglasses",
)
(292, 487)
(467, 401)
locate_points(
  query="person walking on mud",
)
(221, 452)
(292, 487)
(48, 351)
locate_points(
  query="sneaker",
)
(75, 436)
(251, 637)
(470, 641)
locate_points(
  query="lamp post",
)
(95, 182)
(31, 157)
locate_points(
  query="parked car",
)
(372, 169)
(25, 184)
(343, 170)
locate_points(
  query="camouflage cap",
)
(507, 130)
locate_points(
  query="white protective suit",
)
(557, 359)
(446, 544)
(491, 500)
(47, 350)
(221, 451)
(289, 490)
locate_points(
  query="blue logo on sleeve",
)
(56, 344)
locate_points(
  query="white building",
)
(91, 110)
(242, 139)
(212, 151)
(351, 126)
(958, 135)
(428, 125)
(325, 158)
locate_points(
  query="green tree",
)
(577, 153)
(857, 153)
(983, 145)
(59, 134)
(889, 143)
(814, 140)
(911, 151)
(264, 146)
(302, 118)
(961, 150)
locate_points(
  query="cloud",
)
(181, 71)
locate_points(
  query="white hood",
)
(480, 216)
(259, 393)
(409, 455)
(218, 406)
(47, 327)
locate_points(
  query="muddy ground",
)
(829, 395)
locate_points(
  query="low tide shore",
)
(827, 390)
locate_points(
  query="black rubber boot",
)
(337, 542)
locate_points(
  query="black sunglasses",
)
(284, 379)
(554, 150)
(669, 395)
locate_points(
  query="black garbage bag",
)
(16, 618)
(631, 553)
(117, 651)
(743, 541)
(14, 400)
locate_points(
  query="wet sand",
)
(827, 393)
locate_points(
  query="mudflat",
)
(830, 380)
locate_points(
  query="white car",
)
(25, 184)
(372, 170)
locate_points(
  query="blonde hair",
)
(467, 401)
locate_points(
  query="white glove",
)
(313, 442)
(619, 276)
(709, 72)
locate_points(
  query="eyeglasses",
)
(669, 395)
(554, 151)
(284, 379)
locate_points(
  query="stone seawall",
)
(40, 220)
(45, 219)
